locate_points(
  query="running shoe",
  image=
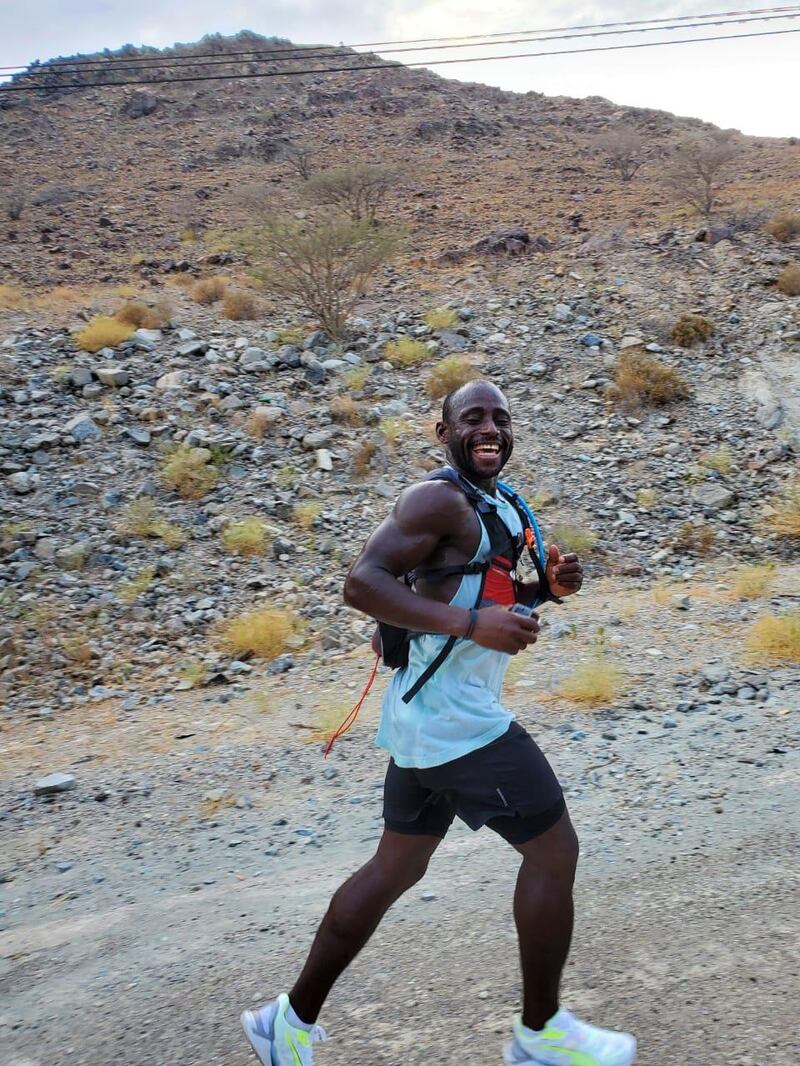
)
(275, 1041)
(567, 1041)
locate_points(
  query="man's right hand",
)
(497, 628)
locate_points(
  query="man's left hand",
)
(564, 572)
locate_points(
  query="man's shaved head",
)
(476, 431)
(459, 395)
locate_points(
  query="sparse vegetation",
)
(14, 204)
(264, 633)
(691, 329)
(789, 280)
(130, 590)
(573, 538)
(286, 476)
(306, 513)
(192, 674)
(259, 421)
(12, 298)
(300, 159)
(696, 539)
(595, 681)
(782, 512)
(240, 307)
(344, 409)
(246, 537)
(752, 582)
(190, 472)
(394, 429)
(356, 379)
(721, 460)
(785, 227)
(641, 379)
(448, 374)
(209, 290)
(442, 318)
(646, 498)
(406, 352)
(699, 170)
(774, 639)
(102, 332)
(362, 460)
(624, 150)
(140, 316)
(358, 190)
(142, 518)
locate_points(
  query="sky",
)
(750, 84)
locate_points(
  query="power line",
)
(392, 66)
(148, 65)
(303, 49)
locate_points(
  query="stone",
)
(174, 379)
(324, 459)
(138, 435)
(112, 375)
(267, 415)
(715, 673)
(591, 340)
(23, 482)
(80, 376)
(53, 784)
(193, 347)
(83, 428)
(712, 497)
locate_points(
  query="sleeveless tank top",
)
(458, 710)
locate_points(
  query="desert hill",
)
(113, 174)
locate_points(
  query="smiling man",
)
(440, 572)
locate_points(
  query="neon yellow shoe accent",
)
(302, 1037)
(295, 1053)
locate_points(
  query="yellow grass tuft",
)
(641, 379)
(647, 498)
(691, 329)
(240, 307)
(189, 472)
(782, 513)
(721, 460)
(450, 373)
(362, 460)
(774, 639)
(209, 290)
(246, 537)
(785, 227)
(102, 332)
(406, 352)
(12, 298)
(264, 633)
(140, 316)
(752, 582)
(573, 538)
(442, 318)
(130, 590)
(356, 379)
(789, 280)
(142, 518)
(595, 682)
(291, 335)
(394, 429)
(192, 674)
(306, 513)
(344, 409)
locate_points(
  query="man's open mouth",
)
(486, 450)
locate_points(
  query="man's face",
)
(478, 435)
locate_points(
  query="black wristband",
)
(473, 620)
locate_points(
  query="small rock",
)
(54, 783)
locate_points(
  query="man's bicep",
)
(411, 533)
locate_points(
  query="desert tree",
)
(624, 150)
(300, 159)
(358, 190)
(700, 168)
(323, 267)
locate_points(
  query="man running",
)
(455, 750)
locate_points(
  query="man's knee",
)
(399, 874)
(555, 853)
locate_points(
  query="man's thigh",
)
(411, 808)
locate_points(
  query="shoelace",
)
(318, 1033)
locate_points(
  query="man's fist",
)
(497, 628)
(564, 572)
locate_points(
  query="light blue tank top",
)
(458, 710)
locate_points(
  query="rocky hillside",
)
(147, 164)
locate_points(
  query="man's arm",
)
(422, 517)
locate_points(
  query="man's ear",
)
(441, 432)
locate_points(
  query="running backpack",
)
(392, 642)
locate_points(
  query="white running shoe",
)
(275, 1041)
(567, 1041)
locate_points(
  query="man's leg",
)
(543, 912)
(355, 912)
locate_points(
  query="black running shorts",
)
(507, 785)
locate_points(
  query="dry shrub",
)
(406, 352)
(641, 379)
(12, 298)
(573, 538)
(189, 472)
(264, 633)
(785, 227)
(363, 457)
(721, 460)
(240, 307)
(344, 409)
(130, 590)
(450, 373)
(102, 332)
(695, 539)
(752, 582)
(782, 513)
(140, 316)
(357, 190)
(209, 291)
(394, 429)
(306, 513)
(789, 280)
(594, 682)
(142, 518)
(691, 329)
(442, 318)
(775, 639)
(246, 537)
(356, 379)
(647, 498)
(259, 421)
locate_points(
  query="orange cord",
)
(349, 721)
